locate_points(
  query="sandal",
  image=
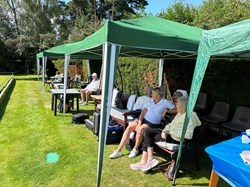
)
(170, 171)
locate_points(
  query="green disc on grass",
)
(52, 157)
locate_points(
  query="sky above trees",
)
(156, 6)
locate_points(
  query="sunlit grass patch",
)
(29, 131)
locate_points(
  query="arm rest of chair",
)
(121, 115)
(132, 112)
(168, 146)
(82, 86)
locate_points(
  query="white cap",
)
(184, 92)
(94, 74)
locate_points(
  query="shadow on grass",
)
(193, 184)
(193, 175)
(6, 99)
(89, 112)
(187, 167)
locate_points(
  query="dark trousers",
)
(152, 135)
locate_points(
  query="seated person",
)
(58, 77)
(183, 92)
(142, 100)
(150, 117)
(171, 134)
(170, 114)
(91, 88)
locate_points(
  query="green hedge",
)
(134, 74)
(225, 80)
(228, 80)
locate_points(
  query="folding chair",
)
(190, 150)
(48, 85)
(218, 115)
(239, 123)
(200, 103)
(84, 85)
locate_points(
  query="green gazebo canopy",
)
(147, 37)
(232, 41)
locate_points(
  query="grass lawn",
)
(29, 131)
(3, 79)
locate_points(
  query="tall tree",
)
(119, 9)
(217, 13)
(6, 26)
(89, 15)
(180, 12)
(31, 26)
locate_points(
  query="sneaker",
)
(81, 102)
(84, 103)
(152, 163)
(133, 153)
(115, 154)
(137, 166)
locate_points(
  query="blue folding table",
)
(228, 164)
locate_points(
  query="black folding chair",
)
(218, 116)
(239, 123)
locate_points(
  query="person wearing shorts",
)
(150, 116)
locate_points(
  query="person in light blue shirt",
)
(150, 116)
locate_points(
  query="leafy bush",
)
(224, 80)
(134, 74)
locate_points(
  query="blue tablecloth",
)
(227, 162)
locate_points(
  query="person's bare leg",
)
(88, 93)
(144, 158)
(139, 135)
(142, 164)
(151, 162)
(84, 95)
(150, 154)
(81, 92)
(126, 134)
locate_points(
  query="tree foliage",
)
(30, 26)
(131, 78)
(25, 24)
(218, 13)
(180, 12)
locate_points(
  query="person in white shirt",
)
(92, 87)
(171, 134)
(142, 100)
(150, 116)
(58, 77)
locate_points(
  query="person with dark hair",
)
(150, 116)
(171, 134)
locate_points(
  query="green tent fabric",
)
(232, 41)
(147, 37)
(55, 52)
